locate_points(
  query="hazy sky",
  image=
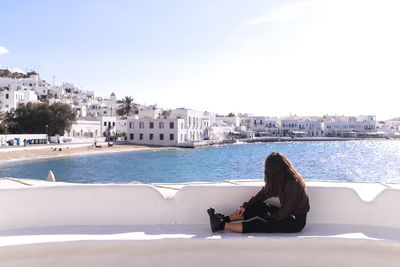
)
(261, 57)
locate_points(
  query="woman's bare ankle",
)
(234, 217)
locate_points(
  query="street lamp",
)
(6, 132)
(47, 132)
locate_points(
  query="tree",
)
(127, 107)
(3, 124)
(61, 119)
(40, 118)
(231, 114)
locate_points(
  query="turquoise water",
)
(344, 161)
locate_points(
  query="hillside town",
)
(97, 119)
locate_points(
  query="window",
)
(151, 136)
(105, 123)
(141, 136)
(131, 125)
(161, 136)
(151, 125)
(114, 123)
(161, 125)
(182, 125)
(171, 137)
(131, 136)
(171, 125)
(141, 125)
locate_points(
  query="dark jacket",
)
(293, 198)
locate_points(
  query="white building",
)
(301, 126)
(344, 126)
(150, 112)
(57, 91)
(30, 96)
(169, 128)
(227, 121)
(112, 100)
(108, 126)
(80, 109)
(161, 132)
(390, 129)
(121, 127)
(196, 122)
(263, 126)
(84, 129)
(10, 99)
(19, 88)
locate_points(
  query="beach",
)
(54, 151)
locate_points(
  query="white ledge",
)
(110, 225)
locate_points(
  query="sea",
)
(355, 161)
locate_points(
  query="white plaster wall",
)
(82, 205)
(84, 126)
(134, 225)
(177, 131)
(144, 205)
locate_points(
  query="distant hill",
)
(4, 73)
(396, 119)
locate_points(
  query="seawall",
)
(128, 224)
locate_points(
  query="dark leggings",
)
(291, 224)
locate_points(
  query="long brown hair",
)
(278, 171)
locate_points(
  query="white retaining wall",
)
(135, 225)
(145, 205)
(5, 137)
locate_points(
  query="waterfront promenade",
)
(67, 149)
(83, 148)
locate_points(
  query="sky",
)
(270, 58)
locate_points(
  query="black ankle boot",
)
(216, 223)
(223, 217)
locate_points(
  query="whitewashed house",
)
(301, 126)
(30, 96)
(196, 122)
(389, 129)
(180, 126)
(345, 126)
(84, 129)
(121, 127)
(227, 121)
(160, 132)
(263, 126)
(19, 88)
(290, 126)
(10, 99)
(57, 91)
(108, 126)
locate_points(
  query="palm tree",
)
(127, 107)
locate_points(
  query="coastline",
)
(82, 149)
(68, 151)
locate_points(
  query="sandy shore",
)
(68, 151)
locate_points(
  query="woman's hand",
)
(240, 211)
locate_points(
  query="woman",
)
(281, 180)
